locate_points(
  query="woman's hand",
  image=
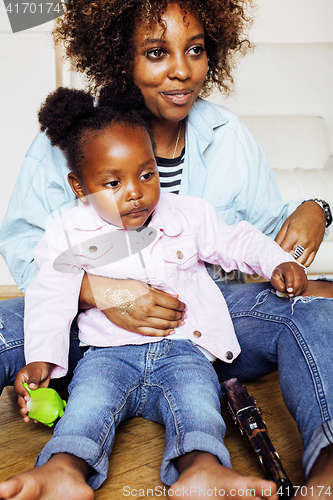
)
(289, 278)
(36, 374)
(306, 227)
(133, 305)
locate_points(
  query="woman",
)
(171, 54)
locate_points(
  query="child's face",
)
(120, 177)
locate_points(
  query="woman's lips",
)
(179, 97)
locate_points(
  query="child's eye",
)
(146, 176)
(113, 184)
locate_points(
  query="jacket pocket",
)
(182, 254)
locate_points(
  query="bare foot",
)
(63, 476)
(202, 475)
(319, 485)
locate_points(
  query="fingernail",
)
(182, 323)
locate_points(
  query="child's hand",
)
(36, 375)
(289, 277)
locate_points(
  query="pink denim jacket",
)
(169, 254)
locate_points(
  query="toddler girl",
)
(125, 229)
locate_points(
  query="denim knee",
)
(11, 340)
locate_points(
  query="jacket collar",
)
(204, 117)
(87, 219)
(164, 218)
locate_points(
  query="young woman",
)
(174, 52)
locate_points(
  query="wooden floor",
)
(139, 445)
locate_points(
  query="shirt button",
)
(93, 249)
(229, 355)
(196, 333)
(180, 254)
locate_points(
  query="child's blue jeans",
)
(170, 382)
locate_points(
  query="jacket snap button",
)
(180, 254)
(229, 355)
(196, 333)
(93, 248)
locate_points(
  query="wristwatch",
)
(326, 208)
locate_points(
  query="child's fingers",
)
(300, 281)
(283, 278)
(31, 374)
(289, 277)
(21, 378)
(277, 280)
(23, 408)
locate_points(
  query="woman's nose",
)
(179, 68)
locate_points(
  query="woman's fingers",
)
(169, 302)
(154, 313)
(305, 227)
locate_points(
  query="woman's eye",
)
(155, 54)
(197, 50)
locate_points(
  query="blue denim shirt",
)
(223, 164)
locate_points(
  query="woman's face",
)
(170, 63)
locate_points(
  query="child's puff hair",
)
(70, 116)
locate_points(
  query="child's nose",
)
(133, 191)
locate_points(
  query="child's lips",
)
(135, 212)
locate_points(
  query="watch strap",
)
(326, 208)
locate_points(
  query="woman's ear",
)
(76, 186)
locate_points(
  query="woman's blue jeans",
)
(293, 336)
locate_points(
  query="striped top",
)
(170, 171)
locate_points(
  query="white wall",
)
(293, 21)
(28, 74)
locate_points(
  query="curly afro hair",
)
(70, 118)
(98, 37)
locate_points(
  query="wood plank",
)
(10, 292)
